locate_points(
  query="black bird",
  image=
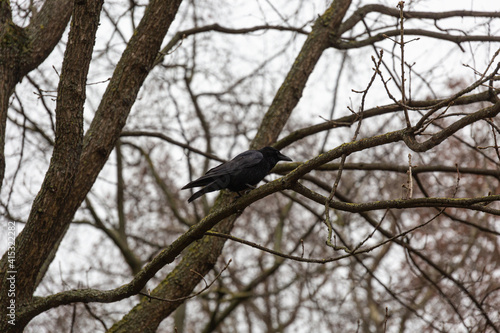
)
(243, 172)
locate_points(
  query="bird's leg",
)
(251, 187)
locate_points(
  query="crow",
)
(243, 172)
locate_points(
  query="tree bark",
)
(24, 49)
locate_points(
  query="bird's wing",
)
(242, 161)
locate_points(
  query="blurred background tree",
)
(386, 221)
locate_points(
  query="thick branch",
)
(45, 214)
(45, 31)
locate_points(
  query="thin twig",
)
(401, 5)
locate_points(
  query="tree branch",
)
(362, 12)
(354, 44)
(470, 203)
(181, 35)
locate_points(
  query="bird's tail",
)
(196, 195)
(213, 186)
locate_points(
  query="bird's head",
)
(273, 153)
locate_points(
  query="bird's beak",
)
(282, 157)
